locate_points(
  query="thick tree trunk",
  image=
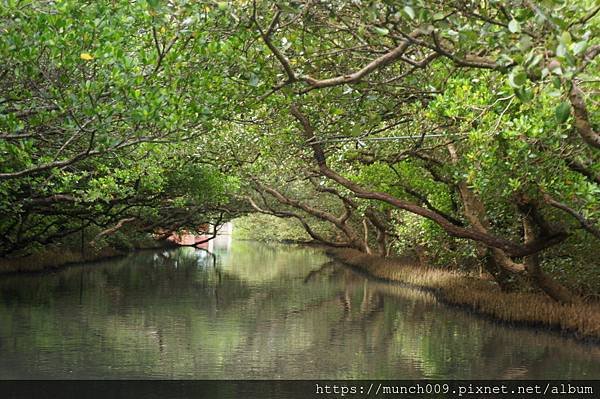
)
(582, 120)
(496, 261)
(422, 256)
(382, 244)
(507, 280)
(382, 234)
(551, 287)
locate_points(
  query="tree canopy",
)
(464, 130)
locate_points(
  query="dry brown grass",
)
(53, 258)
(59, 255)
(483, 297)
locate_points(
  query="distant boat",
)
(187, 238)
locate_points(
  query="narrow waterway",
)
(252, 310)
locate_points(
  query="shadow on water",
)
(256, 311)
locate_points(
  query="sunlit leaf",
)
(381, 31)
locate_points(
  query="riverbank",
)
(480, 296)
(58, 257)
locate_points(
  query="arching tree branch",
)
(511, 248)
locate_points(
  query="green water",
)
(256, 311)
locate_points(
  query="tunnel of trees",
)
(465, 131)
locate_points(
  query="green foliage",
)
(173, 113)
(268, 228)
(258, 227)
(100, 117)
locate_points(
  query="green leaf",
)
(287, 7)
(562, 112)
(524, 94)
(410, 12)
(535, 60)
(504, 60)
(579, 47)
(556, 82)
(381, 31)
(514, 26)
(525, 43)
(517, 78)
(253, 81)
(565, 38)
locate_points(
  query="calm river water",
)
(256, 311)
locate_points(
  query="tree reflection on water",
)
(256, 311)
